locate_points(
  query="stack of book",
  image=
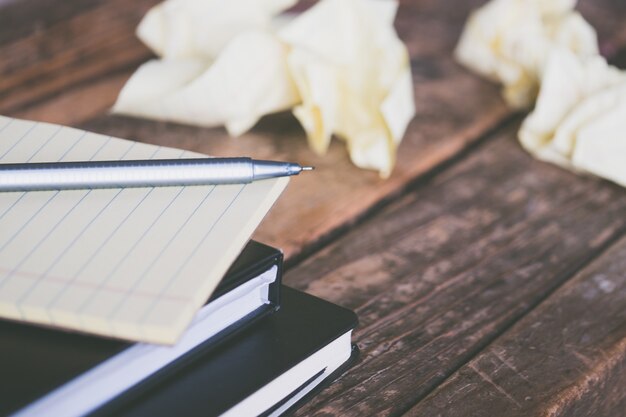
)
(150, 301)
(256, 348)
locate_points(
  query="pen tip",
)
(308, 168)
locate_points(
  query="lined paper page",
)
(131, 263)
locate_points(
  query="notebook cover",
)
(246, 362)
(35, 360)
(318, 388)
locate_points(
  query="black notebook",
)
(50, 372)
(265, 369)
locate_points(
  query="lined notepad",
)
(131, 263)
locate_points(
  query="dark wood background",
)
(487, 283)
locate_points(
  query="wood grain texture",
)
(337, 194)
(52, 47)
(566, 358)
(443, 271)
(70, 44)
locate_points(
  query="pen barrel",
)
(124, 174)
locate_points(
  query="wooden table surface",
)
(487, 283)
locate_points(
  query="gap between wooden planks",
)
(566, 358)
(442, 272)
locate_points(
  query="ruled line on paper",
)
(44, 275)
(34, 249)
(18, 141)
(37, 149)
(108, 203)
(172, 238)
(26, 223)
(85, 303)
(6, 121)
(44, 143)
(117, 227)
(176, 274)
(65, 281)
(53, 194)
(84, 230)
(11, 206)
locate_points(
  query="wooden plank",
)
(440, 273)
(60, 55)
(605, 19)
(566, 358)
(70, 72)
(20, 18)
(51, 46)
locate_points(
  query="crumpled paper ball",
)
(339, 65)
(580, 118)
(202, 28)
(248, 80)
(509, 41)
(354, 78)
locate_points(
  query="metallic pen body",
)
(143, 173)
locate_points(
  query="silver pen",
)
(141, 173)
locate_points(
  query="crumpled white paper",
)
(354, 77)
(580, 118)
(202, 28)
(248, 79)
(339, 65)
(509, 41)
(222, 65)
